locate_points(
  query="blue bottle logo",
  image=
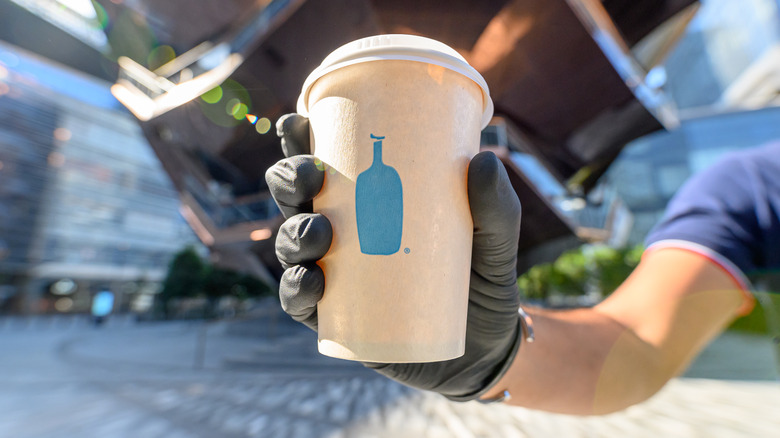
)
(379, 206)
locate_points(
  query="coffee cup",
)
(395, 120)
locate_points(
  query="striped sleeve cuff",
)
(726, 265)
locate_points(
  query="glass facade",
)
(724, 48)
(82, 195)
(651, 169)
(26, 136)
(721, 43)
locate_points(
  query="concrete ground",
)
(62, 378)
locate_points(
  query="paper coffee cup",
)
(395, 120)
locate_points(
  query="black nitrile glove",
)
(492, 334)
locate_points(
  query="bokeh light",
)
(239, 110)
(65, 286)
(63, 304)
(160, 56)
(261, 234)
(62, 134)
(233, 106)
(263, 125)
(56, 159)
(212, 96)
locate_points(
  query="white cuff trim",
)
(739, 277)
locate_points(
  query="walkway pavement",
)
(66, 379)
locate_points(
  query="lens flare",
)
(239, 110)
(252, 118)
(160, 56)
(101, 16)
(212, 96)
(129, 35)
(233, 106)
(263, 125)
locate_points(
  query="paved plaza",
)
(62, 378)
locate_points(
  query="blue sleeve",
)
(732, 209)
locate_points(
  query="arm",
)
(584, 361)
(722, 223)
(621, 352)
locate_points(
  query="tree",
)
(220, 282)
(579, 271)
(186, 274)
(613, 265)
(190, 277)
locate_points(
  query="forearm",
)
(621, 352)
(581, 362)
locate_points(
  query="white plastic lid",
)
(397, 47)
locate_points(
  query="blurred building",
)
(651, 170)
(724, 77)
(573, 82)
(84, 202)
(729, 58)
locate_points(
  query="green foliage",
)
(190, 277)
(186, 273)
(602, 268)
(612, 266)
(569, 274)
(535, 283)
(580, 271)
(764, 318)
(220, 282)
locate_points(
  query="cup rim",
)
(397, 47)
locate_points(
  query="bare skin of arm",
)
(622, 351)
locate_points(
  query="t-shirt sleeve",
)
(730, 213)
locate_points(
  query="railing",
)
(148, 94)
(602, 29)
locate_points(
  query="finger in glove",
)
(293, 129)
(300, 289)
(305, 237)
(496, 212)
(294, 182)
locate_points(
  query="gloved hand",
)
(492, 335)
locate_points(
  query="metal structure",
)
(568, 77)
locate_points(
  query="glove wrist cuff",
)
(524, 331)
